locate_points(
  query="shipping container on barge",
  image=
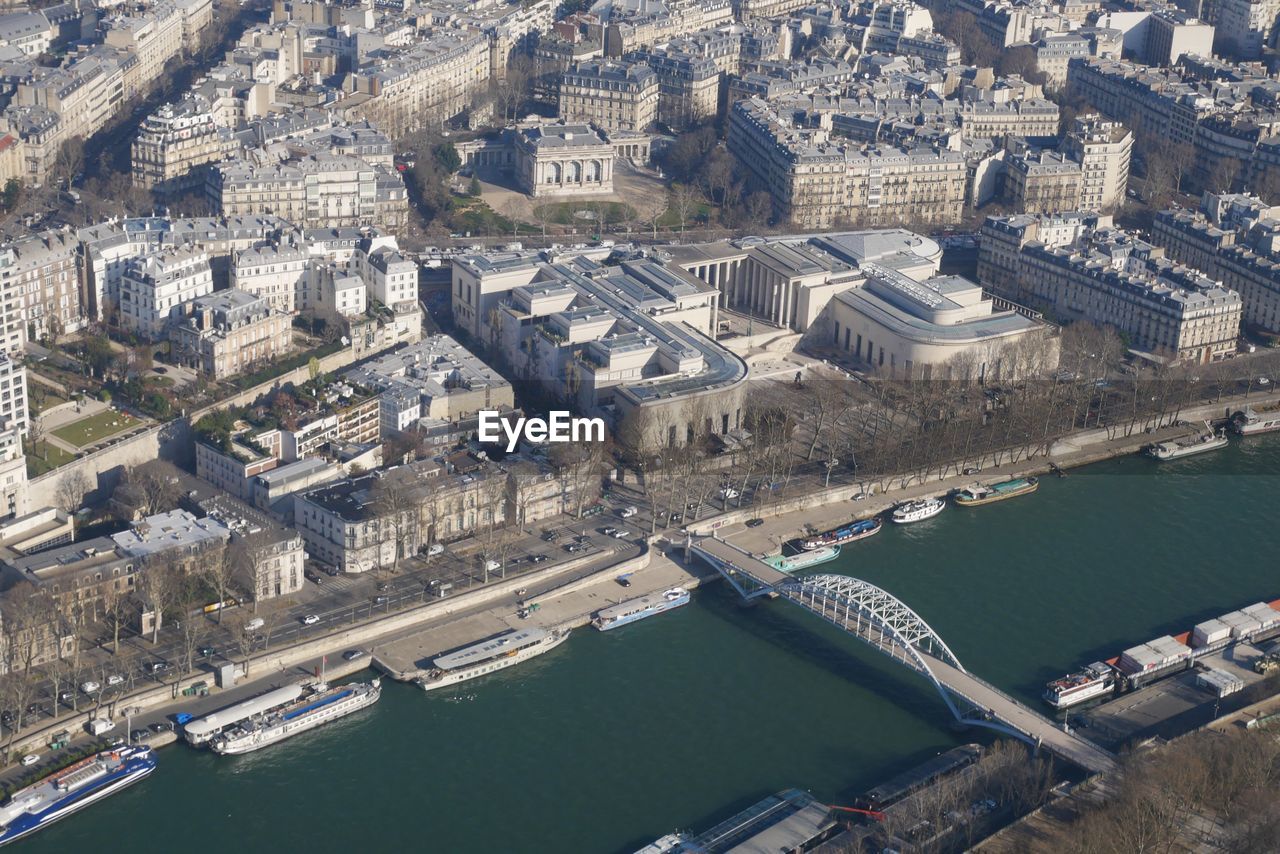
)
(1145, 663)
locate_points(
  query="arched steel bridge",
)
(883, 621)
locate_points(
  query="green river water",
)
(674, 723)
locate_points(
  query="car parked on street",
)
(754, 523)
(627, 512)
(353, 654)
(115, 679)
(30, 759)
(90, 687)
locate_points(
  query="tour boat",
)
(917, 511)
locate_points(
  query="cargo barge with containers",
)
(1143, 664)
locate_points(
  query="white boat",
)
(491, 655)
(917, 511)
(1095, 680)
(1249, 422)
(320, 706)
(640, 608)
(1185, 447)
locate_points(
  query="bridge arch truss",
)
(881, 620)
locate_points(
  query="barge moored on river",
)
(1164, 656)
(803, 560)
(849, 533)
(978, 494)
(490, 655)
(639, 608)
(320, 705)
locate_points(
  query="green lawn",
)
(45, 457)
(96, 427)
(566, 213)
(43, 397)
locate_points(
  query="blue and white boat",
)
(849, 533)
(73, 788)
(640, 608)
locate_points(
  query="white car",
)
(728, 492)
(435, 549)
(31, 759)
(627, 512)
(621, 534)
(115, 679)
(492, 566)
(90, 687)
(310, 620)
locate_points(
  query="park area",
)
(95, 428)
(44, 456)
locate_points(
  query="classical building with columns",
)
(563, 160)
(876, 297)
(556, 158)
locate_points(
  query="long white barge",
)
(488, 656)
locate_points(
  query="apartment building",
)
(29, 32)
(611, 95)
(1150, 101)
(1103, 149)
(1245, 258)
(231, 464)
(1250, 24)
(229, 332)
(370, 522)
(435, 384)
(311, 191)
(688, 84)
(13, 482)
(1105, 276)
(154, 286)
(270, 559)
(107, 248)
(1025, 117)
(13, 395)
(390, 277)
(816, 181)
(273, 272)
(174, 142)
(1042, 181)
(431, 81)
(40, 288)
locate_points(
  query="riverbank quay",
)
(301, 660)
(568, 606)
(823, 509)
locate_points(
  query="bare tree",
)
(218, 570)
(73, 486)
(158, 584)
(395, 501)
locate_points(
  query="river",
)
(614, 739)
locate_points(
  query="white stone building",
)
(154, 285)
